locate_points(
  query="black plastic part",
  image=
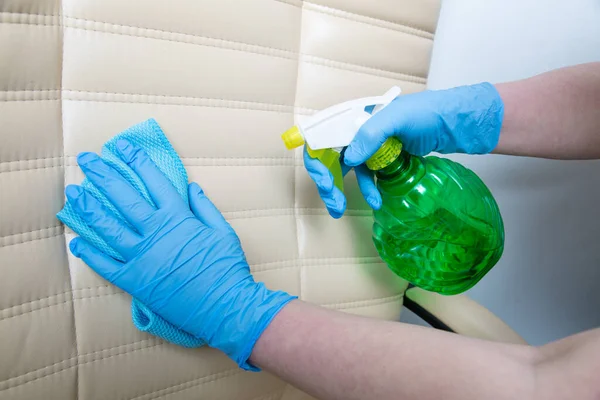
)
(426, 315)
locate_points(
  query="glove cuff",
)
(474, 119)
(244, 321)
(278, 301)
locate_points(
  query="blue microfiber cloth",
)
(151, 138)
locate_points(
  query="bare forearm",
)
(333, 355)
(553, 115)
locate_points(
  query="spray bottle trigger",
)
(331, 159)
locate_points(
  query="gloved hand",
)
(185, 265)
(334, 199)
(465, 119)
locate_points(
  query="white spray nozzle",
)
(337, 125)
(328, 131)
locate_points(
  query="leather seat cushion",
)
(223, 78)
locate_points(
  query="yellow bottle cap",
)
(292, 138)
(386, 154)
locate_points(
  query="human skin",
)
(553, 115)
(333, 355)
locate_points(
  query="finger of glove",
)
(318, 173)
(116, 189)
(367, 186)
(335, 202)
(159, 187)
(102, 220)
(345, 168)
(204, 209)
(105, 266)
(369, 138)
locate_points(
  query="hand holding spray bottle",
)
(439, 226)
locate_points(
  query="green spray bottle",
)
(439, 227)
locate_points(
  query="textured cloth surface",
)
(149, 137)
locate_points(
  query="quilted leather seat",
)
(223, 78)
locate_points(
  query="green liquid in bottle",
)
(439, 226)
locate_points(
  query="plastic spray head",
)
(328, 131)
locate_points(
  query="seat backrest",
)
(223, 78)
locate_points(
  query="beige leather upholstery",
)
(461, 314)
(223, 78)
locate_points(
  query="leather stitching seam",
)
(208, 102)
(29, 100)
(31, 159)
(74, 362)
(31, 14)
(372, 71)
(31, 90)
(29, 165)
(69, 300)
(4, 239)
(312, 6)
(6, 312)
(59, 232)
(313, 263)
(19, 19)
(191, 383)
(7, 383)
(381, 23)
(295, 3)
(153, 33)
(365, 302)
(272, 212)
(257, 267)
(231, 45)
(30, 168)
(298, 3)
(21, 95)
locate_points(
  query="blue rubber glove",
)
(465, 119)
(334, 199)
(183, 261)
